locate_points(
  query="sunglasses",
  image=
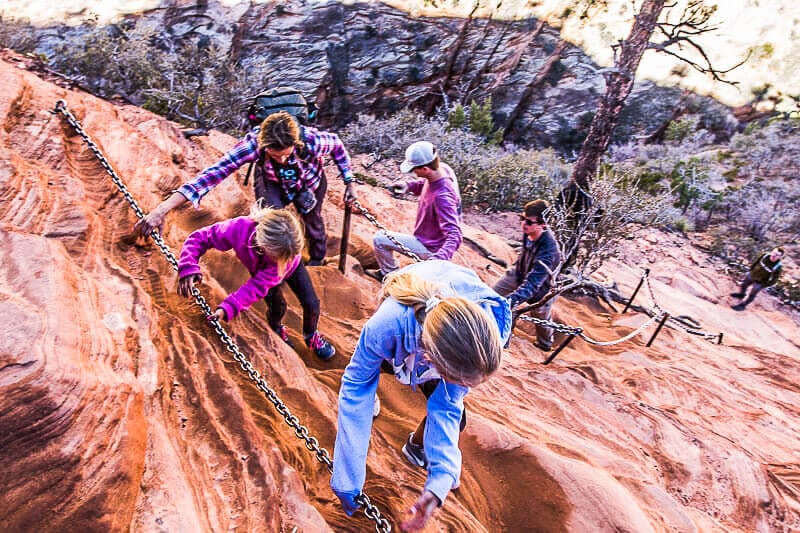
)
(528, 221)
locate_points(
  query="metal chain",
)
(651, 295)
(561, 328)
(675, 321)
(312, 444)
(627, 337)
(572, 330)
(369, 216)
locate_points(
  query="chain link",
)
(674, 321)
(561, 328)
(651, 295)
(369, 216)
(323, 456)
(627, 337)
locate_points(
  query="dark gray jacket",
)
(533, 267)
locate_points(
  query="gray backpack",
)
(277, 99)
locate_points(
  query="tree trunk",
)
(619, 83)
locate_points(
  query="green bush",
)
(457, 118)
(678, 130)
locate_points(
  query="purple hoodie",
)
(438, 225)
(237, 234)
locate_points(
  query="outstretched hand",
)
(399, 188)
(149, 223)
(349, 193)
(186, 284)
(421, 511)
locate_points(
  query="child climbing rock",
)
(439, 329)
(268, 243)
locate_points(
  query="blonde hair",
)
(279, 233)
(279, 131)
(462, 341)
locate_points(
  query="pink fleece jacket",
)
(236, 234)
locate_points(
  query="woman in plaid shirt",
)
(289, 170)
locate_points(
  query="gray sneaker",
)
(376, 407)
(414, 453)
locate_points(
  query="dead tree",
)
(671, 38)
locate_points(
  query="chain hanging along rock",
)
(369, 216)
(685, 323)
(312, 444)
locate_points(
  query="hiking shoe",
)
(321, 347)
(283, 333)
(739, 295)
(739, 307)
(376, 407)
(414, 453)
(542, 346)
(374, 273)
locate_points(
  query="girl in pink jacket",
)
(268, 243)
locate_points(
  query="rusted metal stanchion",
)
(636, 290)
(348, 210)
(562, 346)
(719, 340)
(658, 329)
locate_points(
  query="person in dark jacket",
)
(764, 272)
(532, 275)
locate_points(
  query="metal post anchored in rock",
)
(348, 210)
(562, 346)
(636, 290)
(664, 319)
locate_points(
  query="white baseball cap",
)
(418, 154)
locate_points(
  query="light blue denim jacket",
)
(393, 334)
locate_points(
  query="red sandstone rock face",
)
(120, 410)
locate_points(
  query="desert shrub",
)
(677, 130)
(689, 182)
(682, 224)
(481, 122)
(193, 82)
(457, 118)
(619, 207)
(514, 178)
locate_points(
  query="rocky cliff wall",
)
(370, 57)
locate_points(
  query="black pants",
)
(748, 280)
(427, 389)
(272, 194)
(300, 283)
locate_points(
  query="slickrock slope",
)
(119, 410)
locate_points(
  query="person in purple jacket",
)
(268, 243)
(437, 230)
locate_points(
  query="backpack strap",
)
(253, 163)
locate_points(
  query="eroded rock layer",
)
(120, 410)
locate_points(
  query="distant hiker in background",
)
(268, 243)
(439, 329)
(289, 169)
(764, 272)
(531, 277)
(437, 230)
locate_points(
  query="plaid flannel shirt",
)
(318, 143)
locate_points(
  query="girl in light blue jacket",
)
(442, 329)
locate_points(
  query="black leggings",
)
(427, 389)
(300, 283)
